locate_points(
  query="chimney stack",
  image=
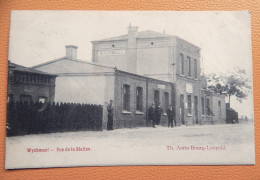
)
(132, 49)
(71, 52)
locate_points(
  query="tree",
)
(235, 83)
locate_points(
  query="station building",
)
(135, 70)
(168, 58)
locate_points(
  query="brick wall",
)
(133, 117)
(16, 88)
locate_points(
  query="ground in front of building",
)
(225, 144)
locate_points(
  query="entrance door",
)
(182, 109)
(156, 97)
(196, 109)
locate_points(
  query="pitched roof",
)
(78, 61)
(141, 35)
(20, 68)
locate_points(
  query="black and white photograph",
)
(119, 88)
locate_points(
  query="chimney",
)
(71, 52)
(132, 49)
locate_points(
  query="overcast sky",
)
(224, 37)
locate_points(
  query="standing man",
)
(110, 114)
(157, 114)
(151, 114)
(170, 114)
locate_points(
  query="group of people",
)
(154, 115)
(155, 112)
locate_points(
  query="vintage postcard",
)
(109, 88)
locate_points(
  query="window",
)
(181, 64)
(189, 104)
(17, 77)
(189, 66)
(208, 109)
(25, 98)
(195, 69)
(156, 97)
(202, 106)
(23, 78)
(42, 99)
(34, 79)
(166, 100)
(139, 98)
(126, 97)
(10, 98)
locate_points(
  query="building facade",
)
(28, 84)
(136, 70)
(83, 82)
(165, 57)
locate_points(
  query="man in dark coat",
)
(170, 114)
(110, 114)
(157, 114)
(151, 114)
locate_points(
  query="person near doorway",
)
(170, 115)
(157, 113)
(151, 115)
(110, 114)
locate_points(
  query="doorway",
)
(182, 109)
(196, 109)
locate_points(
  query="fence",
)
(35, 118)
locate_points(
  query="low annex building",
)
(83, 82)
(29, 84)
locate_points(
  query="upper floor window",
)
(189, 66)
(195, 69)
(126, 97)
(181, 64)
(139, 98)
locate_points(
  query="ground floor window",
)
(126, 97)
(208, 108)
(202, 106)
(219, 106)
(25, 98)
(10, 97)
(166, 100)
(189, 104)
(42, 99)
(139, 98)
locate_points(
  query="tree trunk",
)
(229, 100)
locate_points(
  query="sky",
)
(224, 37)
